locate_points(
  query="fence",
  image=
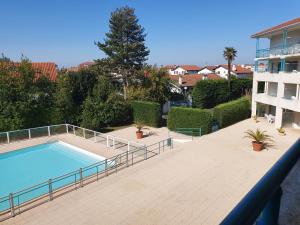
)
(185, 133)
(109, 140)
(261, 204)
(16, 203)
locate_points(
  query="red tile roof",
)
(86, 64)
(45, 68)
(48, 69)
(240, 69)
(170, 67)
(190, 67)
(191, 80)
(211, 68)
(277, 27)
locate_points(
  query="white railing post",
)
(29, 134)
(95, 137)
(7, 135)
(11, 202)
(49, 131)
(74, 130)
(67, 128)
(107, 141)
(83, 133)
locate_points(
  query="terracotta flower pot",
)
(257, 146)
(139, 134)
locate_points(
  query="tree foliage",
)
(124, 45)
(209, 93)
(24, 100)
(229, 54)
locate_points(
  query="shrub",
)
(97, 114)
(147, 113)
(181, 117)
(209, 93)
(232, 112)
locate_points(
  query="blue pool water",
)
(26, 167)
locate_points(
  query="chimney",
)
(180, 79)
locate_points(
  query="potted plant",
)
(259, 139)
(281, 131)
(139, 132)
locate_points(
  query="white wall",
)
(205, 71)
(179, 71)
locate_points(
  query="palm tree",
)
(229, 54)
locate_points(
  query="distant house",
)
(83, 65)
(207, 70)
(237, 71)
(48, 69)
(183, 69)
(188, 82)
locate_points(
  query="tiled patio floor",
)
(198, 182)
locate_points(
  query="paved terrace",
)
(198, 182)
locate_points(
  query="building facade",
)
(276, 79)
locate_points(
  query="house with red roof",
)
(182, 69)
(48, 69)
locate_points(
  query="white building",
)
(182, 70)
(276, 78)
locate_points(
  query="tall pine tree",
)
(124, 45)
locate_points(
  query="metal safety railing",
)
(47, 131)
(18, 202)
(192, 132)
(262, 203)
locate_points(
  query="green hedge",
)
(180, 117)
(209, 93)
(147, 113)
(232, 112)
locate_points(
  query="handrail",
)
(265, 193)
(11, 131)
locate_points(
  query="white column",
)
(266, 87)
(254, 93)
(297, 92)
(253, 108)
(49, 131)
(280, 90)
(278, 117)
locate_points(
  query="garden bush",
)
(209, 93)
(181, 117)
(232, 112)
(147, 113)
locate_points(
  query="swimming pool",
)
(27, 167)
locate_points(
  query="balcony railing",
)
(289, 67)
(290, 50)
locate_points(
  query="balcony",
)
(273, 52)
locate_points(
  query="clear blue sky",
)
(179, 31)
